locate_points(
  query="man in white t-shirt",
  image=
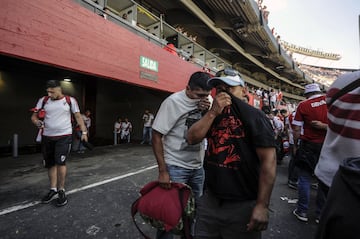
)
(148, 119)
(177, 160)
(57, 136)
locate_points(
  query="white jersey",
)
(175, 116)
(57, 121)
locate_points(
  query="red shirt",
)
(311, 109)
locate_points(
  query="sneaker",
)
(49, 196)
(62, 200)
(300, 215)
(314, 186)
(292, 185)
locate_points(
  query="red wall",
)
(65, 34)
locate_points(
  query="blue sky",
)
(326, 25)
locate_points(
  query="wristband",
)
(84, 133)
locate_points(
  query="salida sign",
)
(149, 63)
(150, 66)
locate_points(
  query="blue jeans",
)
(81, 145)
(292, 169)
(147, 134)
(304, 188)
(192, 177)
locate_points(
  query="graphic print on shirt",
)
(223, 139)
(192, 117)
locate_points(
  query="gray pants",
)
(219, 219)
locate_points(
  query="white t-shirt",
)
(175, 116)
(278, 124)
(148, 118)
(57, 121)
(272, 96)
(117, 127)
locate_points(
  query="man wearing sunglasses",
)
(177, 160)
(240, 163)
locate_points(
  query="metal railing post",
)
(115, 138)
(15, 144)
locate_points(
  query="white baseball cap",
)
(312, 88)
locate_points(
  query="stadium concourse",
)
(113, 51)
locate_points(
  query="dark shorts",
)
(223, 219)
(55, 150)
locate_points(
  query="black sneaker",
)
(300, 215)
(62, 200)
(49, 196)
(314, 186)
(292, 185)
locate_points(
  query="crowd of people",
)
(226, 150)
(122, 130)
(322, 138)
(325, 76)
(310, 135)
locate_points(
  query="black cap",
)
(52, 84)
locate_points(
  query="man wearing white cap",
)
(240, 163)
(311, 115)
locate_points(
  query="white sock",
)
(54, 189)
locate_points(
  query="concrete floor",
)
(101, 186)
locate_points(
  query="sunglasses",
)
(227, 72)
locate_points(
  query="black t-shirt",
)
(231, 163)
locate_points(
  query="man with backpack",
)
(53, 115)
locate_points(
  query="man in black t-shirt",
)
(240, 163)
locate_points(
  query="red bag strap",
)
(134, 207)
(46, 98)
(68, 100)
(134, 210)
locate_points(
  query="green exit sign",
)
(149, 63)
